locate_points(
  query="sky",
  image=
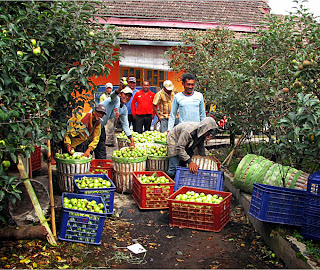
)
(285, 6)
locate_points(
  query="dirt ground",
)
(236, 246)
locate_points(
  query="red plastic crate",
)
(151, 196)
(102, 166)
(200, 216)
(36, 158)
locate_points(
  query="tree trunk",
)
(35, 201)
(23, 232)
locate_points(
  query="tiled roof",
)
(241, 12)
(155, 34)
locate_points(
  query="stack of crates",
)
(277, 204)
(311, 226)
(205, 216)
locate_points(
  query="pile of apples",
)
(92, 182)
(146, 137)
(152, 179)
(68, 156)
(156, 151)
(191, 196)
(83, 205)
(129, 152)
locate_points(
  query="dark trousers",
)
(132, 121)
(143, 122)
(101, 151)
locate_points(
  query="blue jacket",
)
(111, 103)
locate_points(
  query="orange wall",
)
(175, 78)
(113, 77)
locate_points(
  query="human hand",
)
(193, 167)
(131, 143)
(86, 153)
(70, 149)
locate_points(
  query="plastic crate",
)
(203, 179)
(311, 226)
(200, 216)
(36, 158)
(107, 194)
(102, 166)
(81, 226)
(277, 204)
(151, 196)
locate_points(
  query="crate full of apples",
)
(96, 185)
(150, 189)
(198, 208)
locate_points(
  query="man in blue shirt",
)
(115, 107)
(190, 103)
(132, 82)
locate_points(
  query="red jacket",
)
(144, 103)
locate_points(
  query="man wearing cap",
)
(142, 108)
(84, 127)
(184, 139)
(114, 107)
(162, 103)
(104, 96)
(132, 82)
(190, 103)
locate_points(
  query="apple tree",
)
(48, 51)
(260, 81)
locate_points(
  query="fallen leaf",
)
(3, 258)
(75, 259)
(131, 211)
(179, 252)
(209, 238)
(243, 245)
(63, 267)
(170, 236)
(179, 260)
(34, 265)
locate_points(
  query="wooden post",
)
(53, 217)
(34, 200)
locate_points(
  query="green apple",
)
(37, 51)
(33, 42)
(91, 33)
(20, 53)
(6, 164)
(72, 151)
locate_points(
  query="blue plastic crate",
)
(278, 204)
(205, 179)
(107, 194)
(311, 226)
(81, 226)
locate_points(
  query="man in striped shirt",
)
(162, 103)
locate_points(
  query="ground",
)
(237, 245)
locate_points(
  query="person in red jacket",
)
(143, 112)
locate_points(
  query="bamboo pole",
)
(34, 200)
(53, 216)
(229, 157)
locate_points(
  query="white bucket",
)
(123, 174)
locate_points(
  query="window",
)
(155, 77)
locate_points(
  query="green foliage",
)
(266, 82)
(48, 51)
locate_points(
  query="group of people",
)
(181, 114)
